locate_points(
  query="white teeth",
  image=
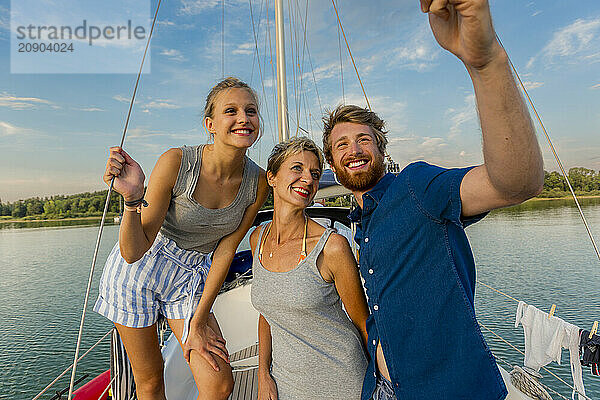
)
(355, 164)
(301, 190)
(242, 131)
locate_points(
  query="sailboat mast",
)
(282, 109)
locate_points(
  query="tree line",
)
(584, 181)
(61, 206)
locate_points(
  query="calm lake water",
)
(538, 253)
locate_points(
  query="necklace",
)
(264, 238)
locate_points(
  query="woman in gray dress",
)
(309, 348)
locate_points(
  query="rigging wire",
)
(71, 366)
(562, 170)
(222, 39)
(301, 60)
(350, 52)
(273, 73)
(341, 64)
(107, 387)
(254, 35)
(89, 285)
(292, 57)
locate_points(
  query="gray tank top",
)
(194, 227)
(317, 352)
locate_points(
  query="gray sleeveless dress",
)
(317, 352)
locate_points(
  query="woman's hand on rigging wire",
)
(127, 173)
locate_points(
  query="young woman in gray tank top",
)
(201, 201)
(308, 347)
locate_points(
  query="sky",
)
(56, 128)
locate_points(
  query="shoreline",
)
(93, 218)
(561, 198)
(14, 220)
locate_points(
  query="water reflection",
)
(549, 204)
(53, 223)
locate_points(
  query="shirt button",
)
(375, 307)
(366, 240)
(371, 271)
(374, 342)
(375, 374)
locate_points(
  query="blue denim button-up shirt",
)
(419, 274)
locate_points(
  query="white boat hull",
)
(239, 323)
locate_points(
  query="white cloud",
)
(597, 86)
(461, 116)
(21, 103)
(173, 54)
(121, 99)
(572, 44)
(245, 48)
(161, 104)
(195, 7)
(91, 109)
(419, 53)
(7, 129)
(533, 85)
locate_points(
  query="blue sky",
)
(55, 129)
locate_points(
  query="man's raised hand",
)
(464, 27)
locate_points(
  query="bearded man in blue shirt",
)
(415, 258)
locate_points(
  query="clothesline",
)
(545, 369)
(499, 291)
(496, 290)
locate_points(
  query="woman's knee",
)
(219, 389)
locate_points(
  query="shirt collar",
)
(376, 193)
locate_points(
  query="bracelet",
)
(133, 209)
(135, 203)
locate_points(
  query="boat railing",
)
(71, 366)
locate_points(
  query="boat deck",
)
(245, 367)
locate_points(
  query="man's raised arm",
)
(513, 167)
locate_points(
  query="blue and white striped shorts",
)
(167, 280)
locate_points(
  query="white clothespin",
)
(552, 309)
(594, 329)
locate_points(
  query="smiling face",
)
(357, 161)
(235, 120)
(297, 180)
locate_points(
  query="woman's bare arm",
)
(340, 266)
(222, 257)
(138, 231)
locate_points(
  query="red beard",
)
(363, 180)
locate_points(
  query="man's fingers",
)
(439, 8)
(425, 5)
